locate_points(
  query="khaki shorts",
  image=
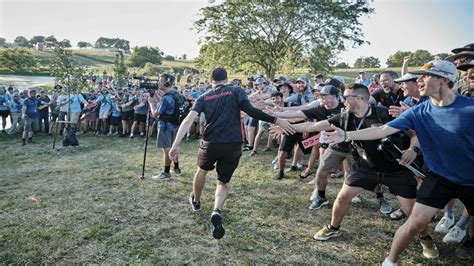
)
(75, 117)
(332, 159)
(31, 124)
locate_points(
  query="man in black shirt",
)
(43, 111)
(221, 141)
(391, 93)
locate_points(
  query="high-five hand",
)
(336, 136)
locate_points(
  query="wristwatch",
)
(415, 149)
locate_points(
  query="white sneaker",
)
(275, 161)
(455, 235)
(312, 182)
(299, 166)
(314, 194)
(387, 262)
(356, 200)
(444, 224)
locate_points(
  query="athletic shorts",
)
(401, 183)
(165, 138)
(225, 157)
(436, 191)
(4, 113)
(247, 121)
(332, 159)
(104, 114)
(289, 142)
(202, 118)
(127, 115)
(54, 117)
(62, 116)
(31, 124)
(253, 122)
(116, 121)
(264, 125)
(139, 118)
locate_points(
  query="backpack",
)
(181, 109)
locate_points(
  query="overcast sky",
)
(434, 25)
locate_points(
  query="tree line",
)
(52, 42)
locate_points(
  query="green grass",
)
(93, 208)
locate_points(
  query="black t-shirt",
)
(374, 159)
(44, 107)
(320, 113)
(221, 107)
(388, 99)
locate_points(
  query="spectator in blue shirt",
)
(16, 105)
(4, 109)
(30, 115)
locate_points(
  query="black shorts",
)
(4, 113)
(226, 155)
(436, 191)
(140, 118)
(253, 122)
(127, 115)
(289, 142)
(401, 183)
(115, 121)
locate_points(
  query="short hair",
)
(392, 74)
(169, 79)
(276, 94)
(360, 89)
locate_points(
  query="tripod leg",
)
(146, 144)
(55, 133)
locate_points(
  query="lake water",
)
(25, 82)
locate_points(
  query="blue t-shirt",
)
(221, 107)
(446, 136)
(143, 110)
(116, 111)
(196, 94)
(167, 106)
(76, 100)
(3, 102)
(16, 105)
(105, 102)
(411, 102)
(31, 107)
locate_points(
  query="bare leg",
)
(342, 203)
(222, 191)
(198, 183)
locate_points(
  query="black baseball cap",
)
(219, 74)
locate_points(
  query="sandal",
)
(305, 174)
(397, 215)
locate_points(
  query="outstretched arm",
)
(339, 135)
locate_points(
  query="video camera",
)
(147, 83)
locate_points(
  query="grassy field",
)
(90, 207)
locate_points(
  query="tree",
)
(83, 44)
(65, 43)
(184, 57)
(104, 42)
(37, 39)
(120, 69)
(21, 41)
(322, 59)
(396, 60)
(141, 55)
(343, 65)
(262, 33)
(3, 42)
(17, 60)
(441, 55)
(51, 39)
(65, 71)
(367, 62)
(169, 58)
(420, 57)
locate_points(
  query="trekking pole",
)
(146, 144)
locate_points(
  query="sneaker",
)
(216, 220)
(267, 149)
(444, 224)
(455, 235)
(384, 206)
(276, 167)
(314, 194)
(356, 200)
(275, 161)
(466, 250)
(293, 168)
(131, 136)
(177, 171)
(387, 262)
(430, 251)
(195, 205)
(110, 134)
(299, 166)
(326, 233)
(247, 148)
(278, 176)
(318, 202)
(252, 153)
(312, 182)
(162, 177)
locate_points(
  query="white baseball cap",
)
(439, 68)
(407, 77)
